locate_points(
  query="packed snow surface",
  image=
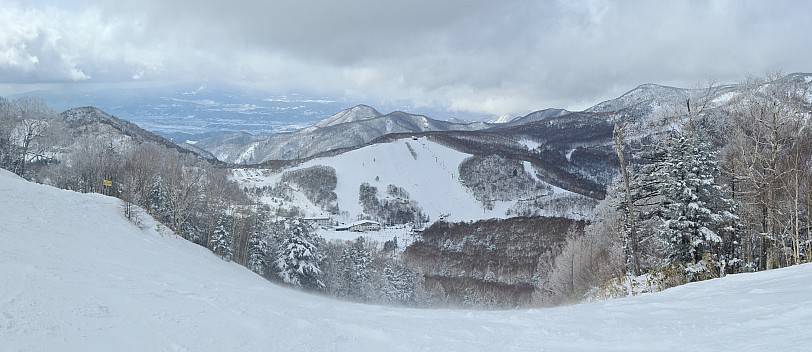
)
(75, 275)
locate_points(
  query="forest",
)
(715, 184)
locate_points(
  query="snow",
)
(528, 167)
(502, 119)
(530, 144)
(432, 179)
(724, 98)
(248, 154)
(75, 275)
(404, 235)
(569, 154)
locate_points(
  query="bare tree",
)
(630, 213)
(767, 120)
(25, 122)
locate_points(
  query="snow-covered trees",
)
(396, 208)
(258, 252)
(768, 158)
(298, 256)
(697, 212)
(318, 183)
(496, 178)
(363, 270)
(401, 283)
(24, 123)
(222, 240)
(355, 265)
(683, 204)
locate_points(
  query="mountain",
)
(196, 110)
(356, 131)
(551, 162)
(76, 275)
(535, 116)
(92, 122)
(652, 94)
(92, 126)
(353, 114)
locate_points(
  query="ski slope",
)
(75, 275)
(431, 176)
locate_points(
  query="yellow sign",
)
(107, 183)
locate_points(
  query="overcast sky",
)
(488, 56)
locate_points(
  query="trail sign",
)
(107, 183)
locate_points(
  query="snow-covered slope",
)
(355, 113)
(430, 175)
(75, 275)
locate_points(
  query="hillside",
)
(430, 174)
(76, 275)
(92, 123)
(353, 114)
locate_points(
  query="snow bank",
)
(75, 275)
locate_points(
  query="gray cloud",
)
(485, 56)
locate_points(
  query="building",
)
(318, 221)
(362, 226)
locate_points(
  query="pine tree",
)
(355, 262)
(400, 283)
(158, 202)
(221, 241)
(695, 213)
(298, 257)
(258, 253)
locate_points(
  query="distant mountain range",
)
(362, 124)
(194, 111)
(346, 129)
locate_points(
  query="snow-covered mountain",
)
(653, 94)
(359, 125)
(91, 127)
(537, 116)
(356, 131)
(75, 275)
(91, 122)
(355, 113)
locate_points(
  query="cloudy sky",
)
(495, 57)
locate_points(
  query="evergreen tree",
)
(355, 263)
(680, 190)
(697, 210)
(258, 253)
(400, 283)
(158, 201)
(221, 240)
(298, 257)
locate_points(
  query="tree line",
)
(711, 189)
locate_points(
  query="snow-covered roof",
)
(364, 222)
